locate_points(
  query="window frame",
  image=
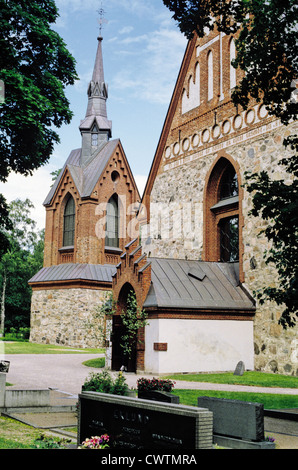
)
(112, 242)
(216, 210)
(66, 219)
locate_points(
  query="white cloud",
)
(35, 188)
(152, 76)
(126, 30)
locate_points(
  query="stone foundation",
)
(67, 317)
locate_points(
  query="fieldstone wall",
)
(176, 229)
(67, 317)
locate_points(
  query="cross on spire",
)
(102, 19)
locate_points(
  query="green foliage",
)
(133, 318)
(35, 67)
(46, 442)
(18, 263)
(103, 382)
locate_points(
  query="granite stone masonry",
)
(66, 317)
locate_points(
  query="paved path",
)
(67, 373)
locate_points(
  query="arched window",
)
(112, 224)
(210, 75)
(69, 222)
(222, 214)
(232, 69)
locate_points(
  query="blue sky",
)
(142, 51)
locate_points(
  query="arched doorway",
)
(120, 334)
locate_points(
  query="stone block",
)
(235, 418)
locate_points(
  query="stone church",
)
(197, 255)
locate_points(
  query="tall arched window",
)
(232, 69)
(222, 214)
(69, 222)
(112, 224)
(210, 75)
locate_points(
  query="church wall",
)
(198, 345)
(198, 130)
(66, 317)
(178, 195)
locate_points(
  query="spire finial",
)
(101, 20)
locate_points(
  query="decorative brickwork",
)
(133, 273)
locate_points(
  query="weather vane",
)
(101, 20)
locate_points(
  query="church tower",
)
(88, 211)
(96, 129)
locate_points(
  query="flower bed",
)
(163, 385)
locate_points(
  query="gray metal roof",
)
(85, 176)
(196, 285)
(71, 271)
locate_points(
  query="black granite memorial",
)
(136, 424)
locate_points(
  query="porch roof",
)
(187, 284)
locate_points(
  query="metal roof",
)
(177, 284)
(196, 285)
(71, 271)
(85, 176)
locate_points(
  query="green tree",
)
(22, 259)
(35, 67)
(266, 36)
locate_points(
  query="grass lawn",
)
(258, 379)
(271, 401)
(19, 347)
(16, 435)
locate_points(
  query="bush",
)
(163, 385)
(103, 382)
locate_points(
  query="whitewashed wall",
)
(198, 345)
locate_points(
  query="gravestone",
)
(134, 423)
(158, 395)
(240, 368)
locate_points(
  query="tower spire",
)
(96, 129)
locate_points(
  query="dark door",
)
(119, 359)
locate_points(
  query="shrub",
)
(103, 382)
(163, 385)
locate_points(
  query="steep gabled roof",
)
(85, 176)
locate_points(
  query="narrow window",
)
(229, 239)
(69, 222)
(112, 224)
(210, 75)
(232, 69)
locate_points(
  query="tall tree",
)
(35, 67)
(22, 259)
(266, 36)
